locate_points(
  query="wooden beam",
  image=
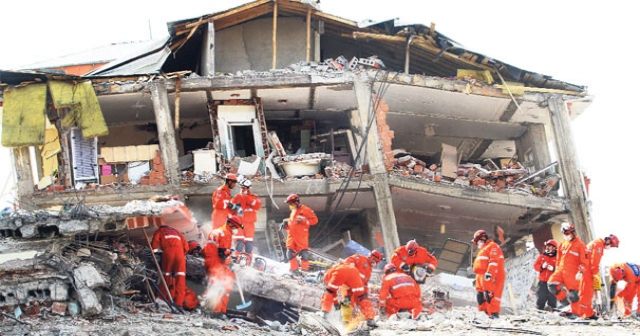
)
(166, 133)
(274, 37)
(309, 35)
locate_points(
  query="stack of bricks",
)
(143, 221)
(385, 132)
(156, 175)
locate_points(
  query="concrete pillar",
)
(166, 133)
(24, 177)
(374, 158)
(534, 141)
(571, 177)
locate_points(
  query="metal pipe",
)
(407, 54)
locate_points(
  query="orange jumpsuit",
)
(220, 200)
(572, 258)
(250, 204)
(544, 296)
(346, 275)
(400, 291)
(363, 265)
(489, 260)
(221, 278)
(595, 250)
(300, 219)
(421, 257)
(190, 299)
(174, 263)
(632, 288)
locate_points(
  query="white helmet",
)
(246, 183)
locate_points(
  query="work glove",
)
(405, 268)
(430, 269)
(487, 276)
(284, 225)
(488, 295)
(579, 276)
(300, 219)
(544, 266)
(550, 268)
(597, 282)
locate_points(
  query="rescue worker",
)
(545, 265)
(571, 264)
(297, 226)
(173, 246)
(490, 274)
(405, 257)
(630, 274)
(217, 258)
(365, 264)
(591, 279)
(250, 204)
(399, 292)
(346, 274)
(221, 201)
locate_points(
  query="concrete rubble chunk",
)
(89, 276)
(88, 301)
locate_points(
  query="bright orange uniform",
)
(250, 204)
(572, 259)
(421, 257)
(221, 278)
(174, 263)
(363, 264)
(630, 275)
(544, 272)
(595, 250)
(400, 291)
(300, 219)
(220, 200)
(489, 260)
(346, 275)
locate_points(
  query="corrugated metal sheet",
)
(143, 61)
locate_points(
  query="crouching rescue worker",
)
(250, 204)
(217, 258)
(411, 254)
(346, 274)
(545, 265)
(399, 292)
(221, 201)
(364, 265)
(490, 274)
(297, 227)
(630, 274)
(572, 263)
(173, 246)
(591, 280)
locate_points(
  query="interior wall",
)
(248, 46)
(532, 147)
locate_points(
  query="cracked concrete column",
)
(166, 133)
(24, 177)
(373, 155)
(572, 180)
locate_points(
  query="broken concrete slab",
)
(88, 301)
(89, 276)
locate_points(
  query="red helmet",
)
(412, 246)
(552, 243)
(389, 268)
(613, 240)
(293, 198)
(479, 235)
(375, 256)
(231, 177)
(567, 227)
(617, 273)
(234, 221)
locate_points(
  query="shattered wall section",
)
(521, 277)
(386, 134)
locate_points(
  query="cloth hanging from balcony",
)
(23, 119)
(83, 107)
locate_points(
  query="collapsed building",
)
(389, 132)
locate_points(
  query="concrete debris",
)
(88, 301)
(337, 65)
(87, 275)
(487, 176)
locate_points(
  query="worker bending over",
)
(173, 246)
(346, 274)
(630, 274)
(399, 292)
(412, 254)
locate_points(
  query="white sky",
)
(581, 42)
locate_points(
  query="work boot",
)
(592, 317)
(568, 315)
(372, 324)
(494, 316)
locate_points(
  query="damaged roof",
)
(431, 52)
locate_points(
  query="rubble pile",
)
(338, 65)
(486, 176)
